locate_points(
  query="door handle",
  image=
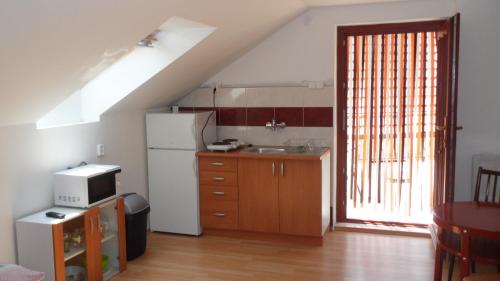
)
(220, 215)
(218, 178)
(282, 168)
(274, 168)
(91, 225)
(219, 193)
(344, 120)
(217, 164)
(440, 128)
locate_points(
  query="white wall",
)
(305, 48)
(124, 137)
(479, 94)
(30, 156)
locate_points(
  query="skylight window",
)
(151, 55)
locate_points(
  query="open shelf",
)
(74, 252)
(109, 236)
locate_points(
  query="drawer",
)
(219, 214)
(218, 164)
(218, 178)
(219, 193)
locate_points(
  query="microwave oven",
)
(85, 186)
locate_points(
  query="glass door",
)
(110, 238)
(76, 249)
(391, 99)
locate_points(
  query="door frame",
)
(341, 92)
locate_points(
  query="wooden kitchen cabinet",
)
(218, 192)
(300, 197)
(277, 194)
(283, 195)
(41, 241)
(258, 190)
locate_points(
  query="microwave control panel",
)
(67, 198)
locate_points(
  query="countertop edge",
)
(237, 154)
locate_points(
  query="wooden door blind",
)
(390, 124)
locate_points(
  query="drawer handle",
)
(218, 178)
(217, 164)
(220, 215)
(219, 193)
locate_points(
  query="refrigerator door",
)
(173, 191)
(171, 130)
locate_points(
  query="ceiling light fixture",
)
(149, 40)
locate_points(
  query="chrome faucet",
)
(274, 125)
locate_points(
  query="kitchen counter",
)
(274, 190)
(314, 154)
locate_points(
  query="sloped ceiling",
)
(48, 46)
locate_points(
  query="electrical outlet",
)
(100, 150)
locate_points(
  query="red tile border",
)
(292, 116)
(186, 109)
(233, 116)
(259, 116)
(318, 116)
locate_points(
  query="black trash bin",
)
(136, 223)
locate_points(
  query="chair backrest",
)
(491, 192)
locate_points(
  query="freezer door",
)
(170, 130)
(173, 191)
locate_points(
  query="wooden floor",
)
(345, 256)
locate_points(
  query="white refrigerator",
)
(172, 141)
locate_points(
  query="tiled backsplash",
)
(258, 116)
(243, 112)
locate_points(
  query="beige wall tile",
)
(263, 136)
(320, 136)
(319, 97)
(275, 97)
(231, 97)
(231, 132)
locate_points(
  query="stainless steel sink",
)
(264, 150)
(274, 150)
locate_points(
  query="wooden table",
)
(469, 220)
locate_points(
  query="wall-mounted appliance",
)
(85, 186)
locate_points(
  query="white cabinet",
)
(50, 245)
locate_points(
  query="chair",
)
(490, 192)
(491, 195)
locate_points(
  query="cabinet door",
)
(58, 240)
(122, 242)
(112, 238)
(258, 195)
(93, 243)
(300, 197)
